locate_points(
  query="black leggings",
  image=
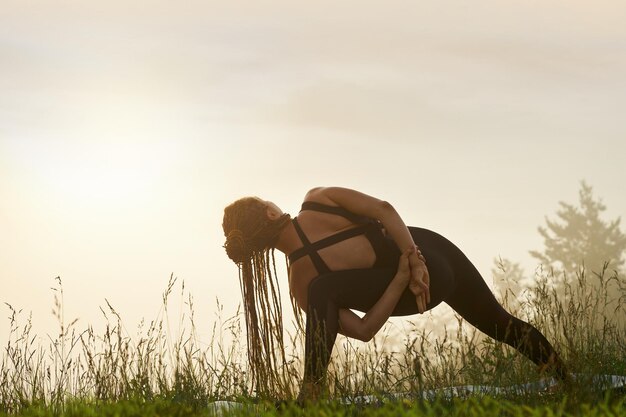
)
(453, 280)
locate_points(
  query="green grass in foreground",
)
(151, 373)
(474, 406)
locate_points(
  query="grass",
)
(83, 373)
(481, 406)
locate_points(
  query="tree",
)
(584, 254)
(581, 237)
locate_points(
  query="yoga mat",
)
(599, 382)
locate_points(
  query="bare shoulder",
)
(352, 200)
(319, 195)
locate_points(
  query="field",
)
(152, 374)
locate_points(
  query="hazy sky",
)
(126, 127)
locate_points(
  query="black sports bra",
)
(385, 249)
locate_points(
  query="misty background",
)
(126, 127)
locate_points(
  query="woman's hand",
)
(403, 275)
(420, 279)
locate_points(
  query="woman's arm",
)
(366, 327)
(365, 205)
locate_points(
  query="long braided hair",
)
(250, 239)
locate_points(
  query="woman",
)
(348, 250)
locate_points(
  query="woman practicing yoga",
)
(348, 250)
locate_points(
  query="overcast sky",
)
(126, 127)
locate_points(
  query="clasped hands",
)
(412, 268)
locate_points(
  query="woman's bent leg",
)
(322, 322)
(356, 289)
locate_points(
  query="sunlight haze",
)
(126, 127)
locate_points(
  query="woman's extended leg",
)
(474, 301)
(468, 294)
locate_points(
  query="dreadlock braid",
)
(250, 238)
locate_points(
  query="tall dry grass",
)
(585, 322)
